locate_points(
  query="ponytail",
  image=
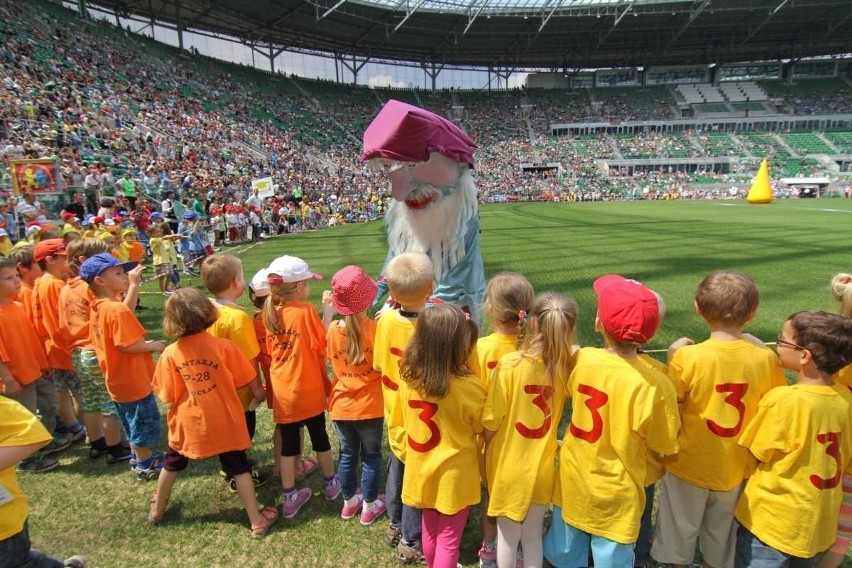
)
(354, 351)
(551, 333)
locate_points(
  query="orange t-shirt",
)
(25, 297)
(264, 358)
(356, 391)
(75, 301)
(46, 301)
(20, 348)
(298, 373)
(127, 375)
(134, 251)
(199, 377)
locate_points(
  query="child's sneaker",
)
(332, 488)
(488, 555)
(122, 454)
(392, 535)
(351, 506)
(294, 501)
(372, 511)
(78, 436)
(38, 464)
(409, 554)
(149, 473)
(258, 478)
(56, 445)
(75, 562)
(155, 454)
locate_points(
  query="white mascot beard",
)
(437, 230)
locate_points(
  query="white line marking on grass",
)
(730, 204)
(831, 210)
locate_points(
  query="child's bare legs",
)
(326, 463)
(163, 280)
(245, 489)
(164, 490)
(66, 408)
(142, 454)
(94, 428)
(288, 471)
(111, 428)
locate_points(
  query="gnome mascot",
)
(434, 211)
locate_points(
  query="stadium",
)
(612, 136)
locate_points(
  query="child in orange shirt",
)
(296, 340)
(258, 291)
(356, 392)
(125, 357)
(102, 425)
(50, 255)
(131, 247)
(22, 363)
(198, 377)
(29, 271)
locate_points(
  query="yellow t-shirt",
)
(666, 391)
(238, 327)
(392, 335)
(524, 410)
(802, 437)
(163, 251)
(18, 427)
(618, 417)
(719, 384)
(844, 377)
(440, 451)
(5, 246)
(488, 351)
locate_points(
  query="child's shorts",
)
(141, 421)
(163, 269)
(65, 381)
(233, 463)
(95, 396)
(568, 547)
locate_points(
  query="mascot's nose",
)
(401, 183)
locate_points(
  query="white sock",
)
(351, 501)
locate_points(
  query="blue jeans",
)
(16, 552)
(364, 438)
(407, 519)
(568, 547)
(754, 553)
(646, 531)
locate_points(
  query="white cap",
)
(290, 269)
(3, 233)
(258, 283)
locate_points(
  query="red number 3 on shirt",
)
(596, 400)
(427, 411)
(833, 450)
(542, 394)
(735, 398)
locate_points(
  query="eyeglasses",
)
(781, 341)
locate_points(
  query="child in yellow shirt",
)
(618, 418)
(526, 397)
(437, 415)
(801, 437)
(719, 383)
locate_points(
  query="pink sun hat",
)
(352, 290)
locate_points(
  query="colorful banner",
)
(39, 176)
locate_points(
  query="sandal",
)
(153, 518)
(269, 514)
(306, 467)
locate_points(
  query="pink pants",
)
(442, 536)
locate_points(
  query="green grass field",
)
(791, 248)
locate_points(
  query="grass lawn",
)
(791, 248)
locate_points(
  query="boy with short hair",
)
(719, 383)
(410, 279)
(125, 357)
(20, 436)
(801, 438)
(222, 275)
(22, 366)
(50, 255)
(619, 417)
(29, 271)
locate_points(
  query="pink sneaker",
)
(350, 511)
(487, 556)
(294, 501)
(372, 511)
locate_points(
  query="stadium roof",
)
(512, 34)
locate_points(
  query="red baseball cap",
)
(48, 247)
(352, 291)
(628, 311)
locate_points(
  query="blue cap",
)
(190, 215)
(156, 215)
(95, 265)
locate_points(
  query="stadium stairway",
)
(828, 142)
(783, 143)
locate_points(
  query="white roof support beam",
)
(332, 9)
(764, 22)
(408, 15)
(556, 6)
(476, 15)
(692, 17)
(618, 19)
(839, 23)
